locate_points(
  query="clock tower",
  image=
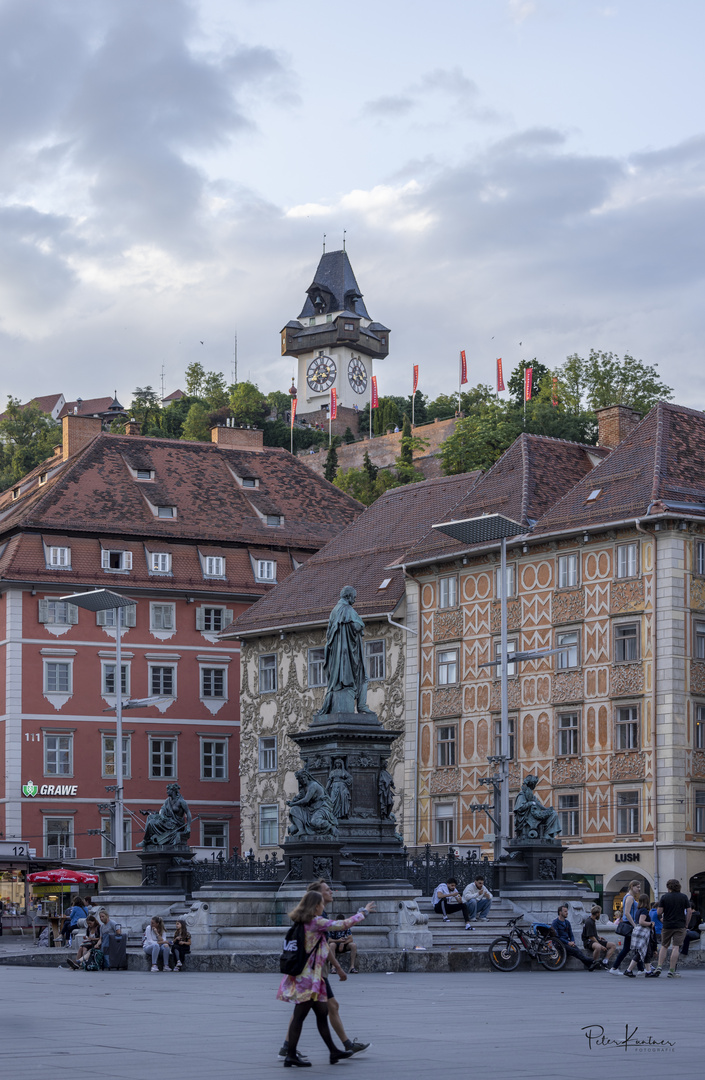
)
(335, 342)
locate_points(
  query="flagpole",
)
(330, 418)
(370, 407)
(460, 377)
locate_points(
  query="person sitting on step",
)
(447, 900)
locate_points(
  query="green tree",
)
(348, 436)
(480, 438)
(214, 390)
(248, 404)
(195, 377)
(197, 424)
(278, 433)
(146, 409)
(516, 380)
(280, 401)
(611, 381)
(27, 436)
(366, 483)
(442, 407)
(331, 467)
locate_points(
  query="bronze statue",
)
(311, 812)
(532, 820)
(339, 787)
(344, 660)
(386, 792)
(170, 826)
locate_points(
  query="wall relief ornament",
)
(627, 596)
(697, 677)
(567, 686)
(628, 766)
(568, 606)
(627, 679)
(445, 781)
(568, 771)
(447, 701)
(447, 625)
(698, 766)
(513, 616)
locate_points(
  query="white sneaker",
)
(446, 918)
(468, 926)
(154, 968)
(614, 971)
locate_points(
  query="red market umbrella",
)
(62, 877)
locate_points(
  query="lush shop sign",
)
(30, 789)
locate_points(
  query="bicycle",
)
(538, 942)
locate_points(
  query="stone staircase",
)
(453, 935)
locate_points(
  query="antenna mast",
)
(234, 371)
(162, 382)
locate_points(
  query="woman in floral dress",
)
(308, 990)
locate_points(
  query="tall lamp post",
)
(484, 530)
(105, 600)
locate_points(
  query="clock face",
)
(357, 376)
(321, 374)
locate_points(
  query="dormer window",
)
(311, 322)
(15, 493)
(60, 557)
(274, 519)
(144, 474)
(161, 562)
(214, 566)
(166, 511)
(115, 560)
(249, 481)
(348, 326)
(266, 570)
(42, 478)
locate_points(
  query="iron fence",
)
(236, 868)
(424, 870)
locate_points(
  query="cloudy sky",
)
(508, 171)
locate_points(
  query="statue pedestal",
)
(167, 868)
(531, 860)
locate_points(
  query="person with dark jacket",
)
(564, 932)
(180, 945)
(674, 911)
(600, 948)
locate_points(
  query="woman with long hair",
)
(154, 942)
(90, 942)
(180, 945)
(630, 906)
(308, 990)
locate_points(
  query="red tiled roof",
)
(661, 462)
(530, 477)
(176, 395)
(359, 556)
(89, 407)
(46, 403)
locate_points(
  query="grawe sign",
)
(30, 789)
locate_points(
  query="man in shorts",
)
(343, 942)
(355, 1045)
(674, 911)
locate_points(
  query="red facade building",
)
(194, 533)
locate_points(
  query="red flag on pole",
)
(333, 404)
(528, 380)
(416, 378)
(374, 404)
(554, 396)
(293, 411)
(500, 376)
(463, 368)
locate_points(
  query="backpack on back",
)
(294, 957)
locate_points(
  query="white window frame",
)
(105, 750)
(167, 664)
(69, 833)
(568, 567)
(119, 555)
(107, 846)
(447, 669)
(268, 755)
(627, 561)
(446, 746)
(201, 617)
(627, 734)
(448, 592)
(53, 661)
(267, 570)
(568, 734)
(699, 639)
(316, 675)
(213, 741)
(269, 668)
(156, 616)
(105, 667)
(222, 668)
(624, 640)
(214, 566)
(699, 558)
(569, 658)
(48, 606)
(223, 825)
(699, 811)
(511, 664)
(160, 562)
(59, 558)
(628, 812)
(511, 581)
(107, 618)
(153, 741)
(376, 659)
(444, 823)
(699, 728)
(512, 723)
(569, 813)
(265, 824)
(167, 513)
(58, 736)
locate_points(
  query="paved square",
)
(129, 1026)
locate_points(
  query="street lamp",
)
(105, 600)
(483, 530)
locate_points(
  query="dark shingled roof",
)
(359, 556)
(95, 491)
(659, 466)
(529, 478)
(335, 274)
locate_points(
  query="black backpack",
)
(294, 957)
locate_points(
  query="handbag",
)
(624, 928)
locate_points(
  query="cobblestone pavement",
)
(130, 1026)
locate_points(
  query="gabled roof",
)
(527, 480)
(46, 403)
(335, 275)
(175, 395)
(95, 491)
(359, 556)
(659, 466)
(89, 407)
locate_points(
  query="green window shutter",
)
(43, 611)
(72, 614)
(200, 618)
(100, 618)
(129, 615)
(228, 616)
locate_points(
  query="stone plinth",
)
(538, 861)
(167, 868)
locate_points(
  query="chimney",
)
(614, 423)
(238, 438)
(77, 432)
(132, 427)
